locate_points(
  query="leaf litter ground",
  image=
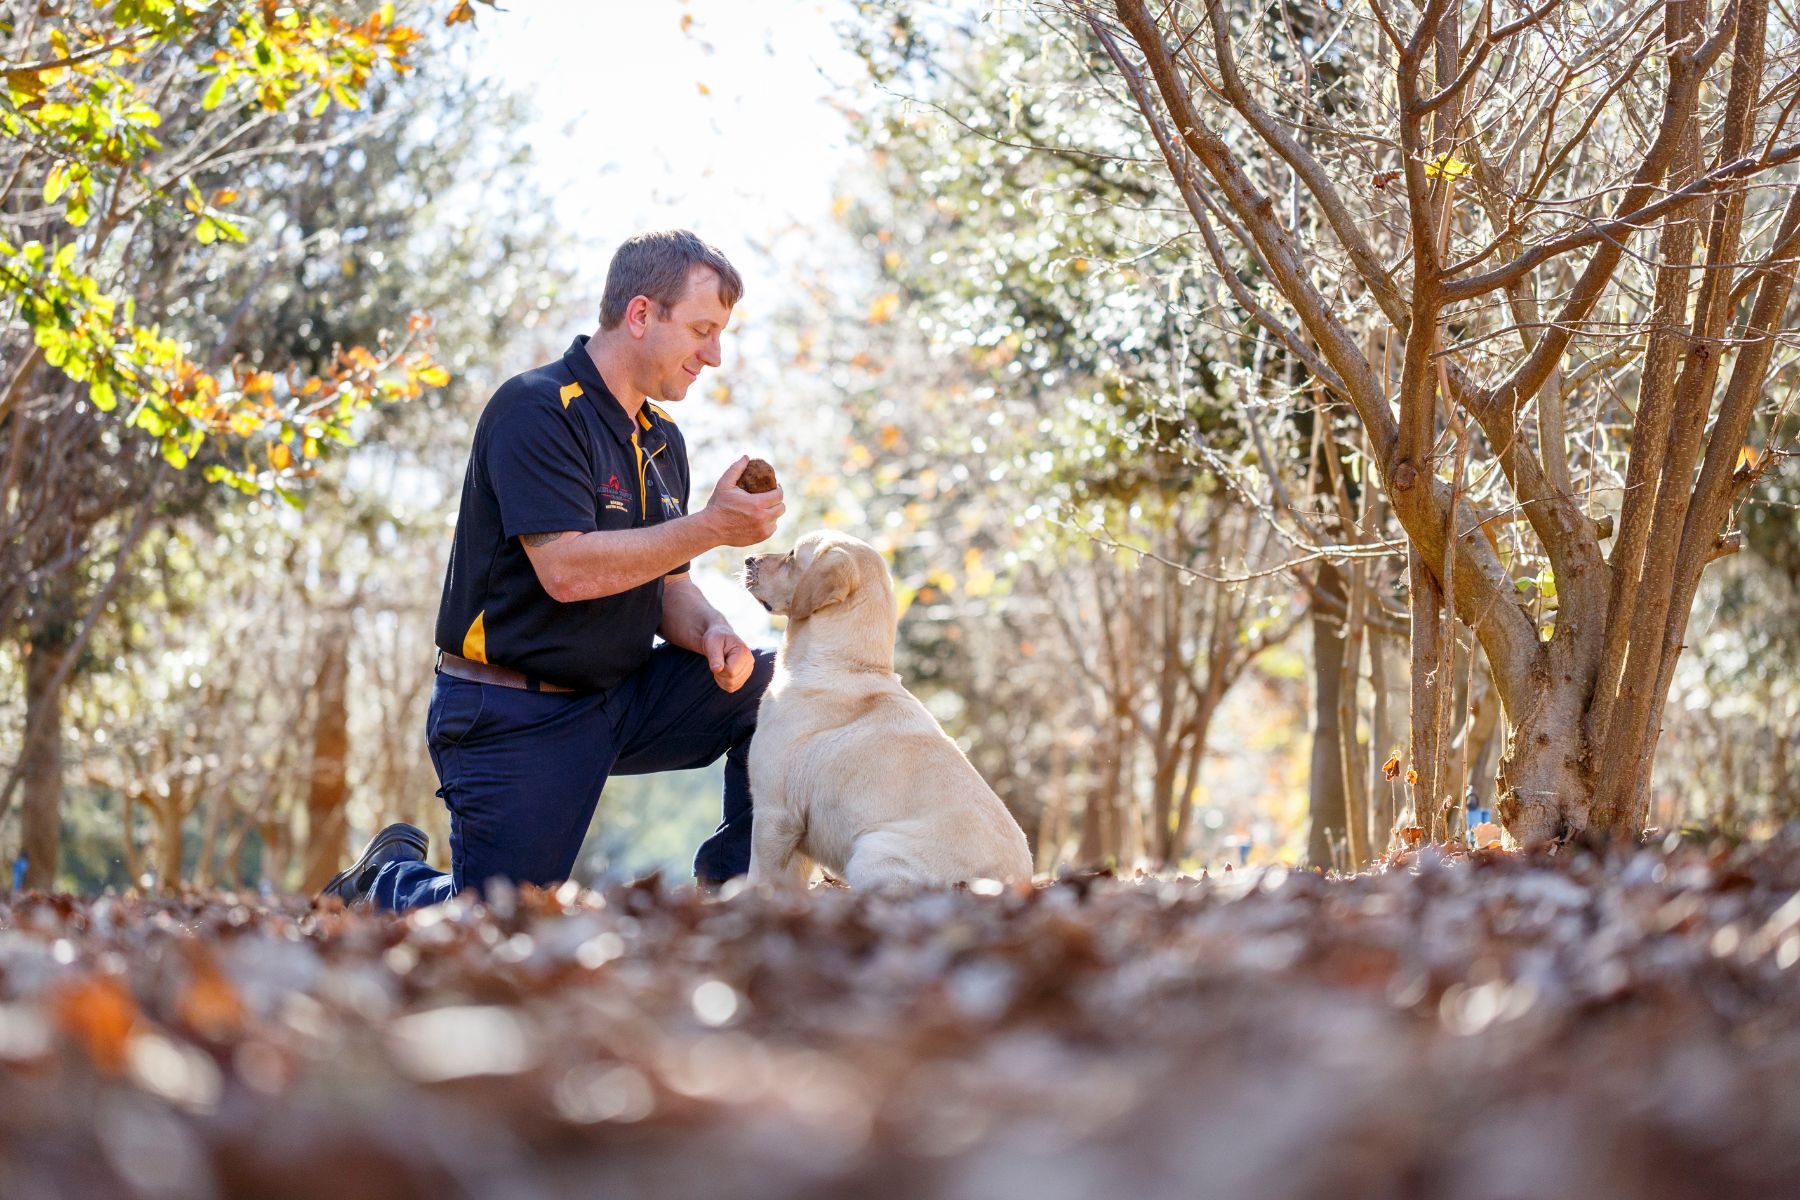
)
(1476, 1026)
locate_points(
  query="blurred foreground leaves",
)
(1482, 1026)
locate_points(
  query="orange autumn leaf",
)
(210, 1005)
(1391, 767)
(99, 1013)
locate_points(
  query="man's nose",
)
(709, 351)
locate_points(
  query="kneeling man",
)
(571, 554)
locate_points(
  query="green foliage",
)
(112, 106)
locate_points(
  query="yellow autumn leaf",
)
(978, 581)
(280, 457)
(1447, 167)
(883, 308)
(434, 376)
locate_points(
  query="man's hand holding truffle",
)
(739, 516)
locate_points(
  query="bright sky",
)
(723, 126)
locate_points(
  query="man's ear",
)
(637, 315)
(827, 581)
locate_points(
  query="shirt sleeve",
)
(542, 476)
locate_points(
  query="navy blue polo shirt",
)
(555, 451)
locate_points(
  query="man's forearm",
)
(606, 562)
(687, 615)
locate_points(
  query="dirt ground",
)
(1479, 1026)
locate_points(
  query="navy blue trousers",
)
(522, 771)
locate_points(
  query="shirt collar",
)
(599, 396)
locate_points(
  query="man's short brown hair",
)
(657, 265)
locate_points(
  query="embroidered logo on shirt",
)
(615, 493)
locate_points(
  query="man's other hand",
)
(730, 659)
(741, 518)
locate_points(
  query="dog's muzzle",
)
(750, 581)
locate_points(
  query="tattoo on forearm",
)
(535, 540)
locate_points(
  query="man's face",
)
(678, 345)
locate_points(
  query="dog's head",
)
(823, 570)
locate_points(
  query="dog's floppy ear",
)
(827, 581)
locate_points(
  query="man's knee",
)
(761, 673)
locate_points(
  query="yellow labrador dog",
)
(848, 768)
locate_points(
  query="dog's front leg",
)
(775, 855)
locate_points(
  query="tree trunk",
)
(1091, 849)
(1053, 822)
(41, 761)
(277, 849)
(328, 790)
(128, 834)
(204, 869)
(1196, 759)
(1382, 744)
(170, 811)
(1354, 757)
(1544, 786)
(1426, 769)
(1328, 811)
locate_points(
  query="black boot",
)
(398, 842)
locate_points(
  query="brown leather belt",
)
(480, 672)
